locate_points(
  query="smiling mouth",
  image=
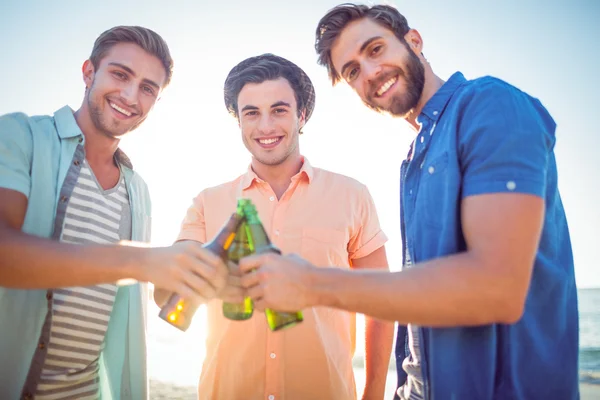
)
(119, 109)
(269, 142)
(386, 86)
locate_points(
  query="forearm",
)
(379, 336)
(30, 262)
(449, 291)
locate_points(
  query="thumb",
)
(251, 262)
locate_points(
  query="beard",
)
(402, 103)
(104, 124)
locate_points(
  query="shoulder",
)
(222, 188)
(337, 181)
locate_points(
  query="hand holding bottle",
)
(278, 282)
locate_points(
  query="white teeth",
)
(119, 109)
(268, 141)
(384, 88)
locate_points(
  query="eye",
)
(250, 113)
(119, 75)
(149, 90)
(376, 49)
(352, 74)
(280, 111)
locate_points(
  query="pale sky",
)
(545, 47)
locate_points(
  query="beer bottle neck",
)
(223, 239)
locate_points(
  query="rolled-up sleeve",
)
(16, 149)
(367, 235)
(193, 226)
(505, 143)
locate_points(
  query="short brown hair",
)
(336, 19)
(147, 39)
(267, 67)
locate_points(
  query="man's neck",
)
(99, 148)
(278, 176)
(433, 83)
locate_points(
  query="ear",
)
(414, 40)
(302, 119)
(88, 73)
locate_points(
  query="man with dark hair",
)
(71, 325)
(327, 218)
(488, 289)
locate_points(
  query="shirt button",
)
(276, 232)
(272, 198)
(63, 198)
(511, 185)
(422, 139)
(76, 162)
(48, 295)
(27, 396)
(410, 192)
(271, 397)
(41, 345)
(272, 355)
(435, 113)
(80, 140)
(431, 170)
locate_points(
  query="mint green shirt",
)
(40, 157)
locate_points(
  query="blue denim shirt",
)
(486, 136)
(41, 157)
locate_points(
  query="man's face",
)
(123, 89)
(385, 73)
(269, 121)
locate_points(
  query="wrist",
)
(320, 291)
(134, 257)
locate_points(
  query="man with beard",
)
(488, 292)
(327, 218)
(71, 326)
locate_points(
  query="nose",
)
(129, 94)
(371, 70)
(265, 124)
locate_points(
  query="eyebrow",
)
(277, 104)
(131, 72)
(361, 50)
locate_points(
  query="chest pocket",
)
(433, 190)
(325, 247)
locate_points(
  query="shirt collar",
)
(67, 128)
(250, 176)
(436, 104)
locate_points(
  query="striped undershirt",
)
(80, 315)
(413, 388)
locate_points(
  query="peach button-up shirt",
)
(328, 219)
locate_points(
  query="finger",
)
(232, 295)
(259, 305)
(250, 279)
(199, 285)
(234, 281)
(252, 262)
(189, 295)
(204, 254)
(256, 292)
(215, 275)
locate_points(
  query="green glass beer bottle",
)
(179, 312)
(238, 249)
(260, 243)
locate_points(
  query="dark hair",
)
(336, 19)
(267, 67)
(147, 39)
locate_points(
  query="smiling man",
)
(328, 218)
(67, 195)
(488, 289)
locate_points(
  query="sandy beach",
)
(163, 391)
